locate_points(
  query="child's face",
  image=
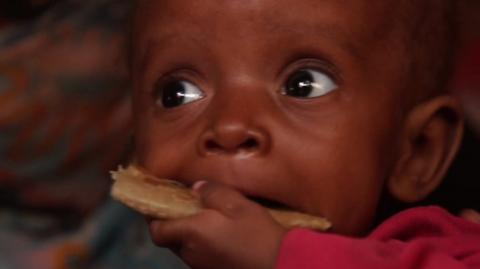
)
(295, 102)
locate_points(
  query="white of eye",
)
(192, 93)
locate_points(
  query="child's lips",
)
(248, 178)
(267, 202)
(258, 199)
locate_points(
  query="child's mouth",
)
(268, 203)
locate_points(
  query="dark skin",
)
(307, 109)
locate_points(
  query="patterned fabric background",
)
(64, 110)
(64, 123)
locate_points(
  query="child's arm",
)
(423, 238)
(236, 233)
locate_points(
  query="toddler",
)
(326, 107)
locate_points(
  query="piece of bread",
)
(166, 199)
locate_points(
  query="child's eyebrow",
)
(159, 43)
(342, 39)
(162, 42)
(331, 32)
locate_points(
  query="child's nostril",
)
(249, 144)
(212, 146)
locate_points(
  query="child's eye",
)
(176, 93)
(308, 83)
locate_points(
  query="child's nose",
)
(234, 139)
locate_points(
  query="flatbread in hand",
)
(167, 199)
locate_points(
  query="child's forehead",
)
(354, 21)
(276, 13)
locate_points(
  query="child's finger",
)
(167, 234)
(229, 202)
(471, 215)
(175, 234)
(187, 236)
(179, 231)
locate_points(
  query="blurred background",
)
(467, 81)
(462, 186)
(65, 122)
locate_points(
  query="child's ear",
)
(431, 136)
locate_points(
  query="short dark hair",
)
(432, 26)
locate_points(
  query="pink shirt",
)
(419, 238)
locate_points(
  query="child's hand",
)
(470, 215)
(232, 232)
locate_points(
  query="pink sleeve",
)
(424, 238)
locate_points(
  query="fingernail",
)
(198, 185)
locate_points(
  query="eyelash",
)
(316, 64)
(178, 74)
